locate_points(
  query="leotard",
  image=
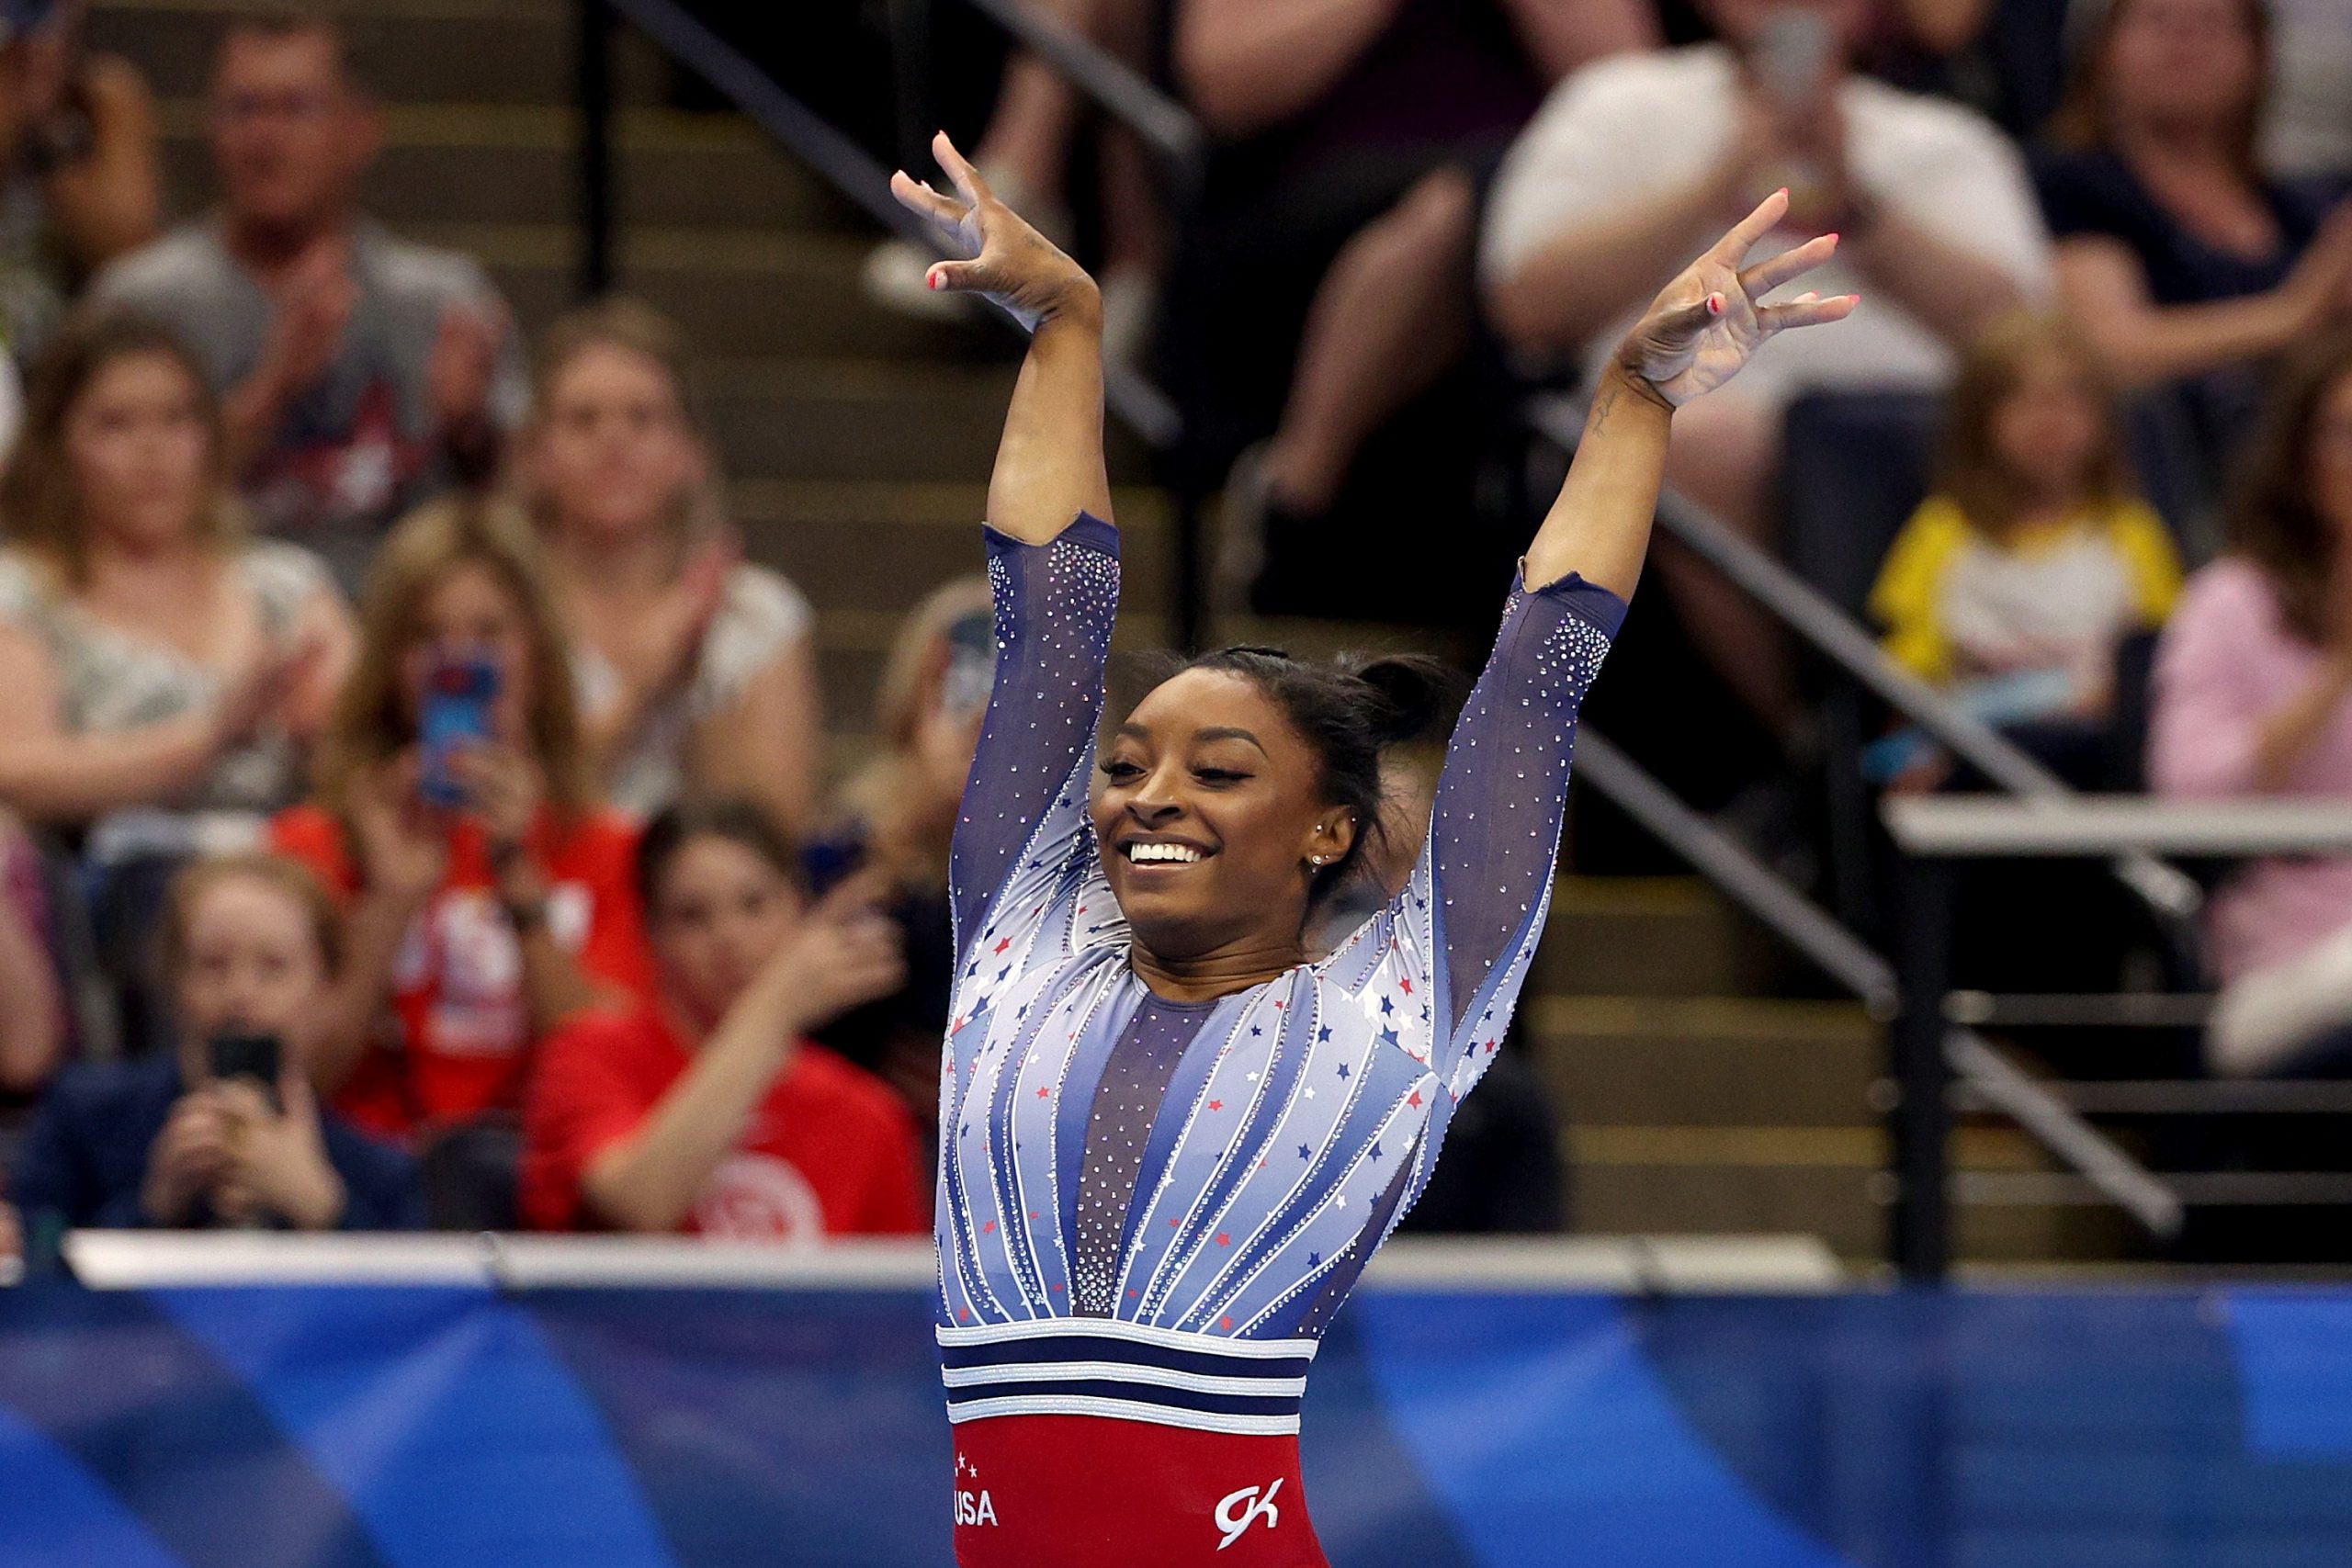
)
(1148, 1210)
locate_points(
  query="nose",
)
(1152, 809)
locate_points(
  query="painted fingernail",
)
(931, 278)
(1715, 304)
(1833, 236)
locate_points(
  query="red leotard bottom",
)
(1088, 1491)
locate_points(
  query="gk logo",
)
(1251, 1507)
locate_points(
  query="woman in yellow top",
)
(2018, 580)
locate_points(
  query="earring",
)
(1314, 859)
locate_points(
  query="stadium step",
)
(409, 52)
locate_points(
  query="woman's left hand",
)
(278, 1158)
(1710, 321)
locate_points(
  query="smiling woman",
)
(1170, 1142)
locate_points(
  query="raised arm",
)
(1049, 465)
(1479, 895)
(1696, 336)
(1053, 560)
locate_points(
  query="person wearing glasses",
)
(362, 374)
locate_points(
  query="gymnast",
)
(1171, 1136)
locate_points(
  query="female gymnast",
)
(1169, 1140)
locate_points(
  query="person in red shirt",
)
(707, 1111)
(488, 897)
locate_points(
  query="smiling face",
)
(1210, 814)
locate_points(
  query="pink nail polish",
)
(1833, 236)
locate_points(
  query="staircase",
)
(859, 446)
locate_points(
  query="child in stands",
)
(2018, 579)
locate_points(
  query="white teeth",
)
(1149, 854)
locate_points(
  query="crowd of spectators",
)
(413, 801)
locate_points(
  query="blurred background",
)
(488, 491)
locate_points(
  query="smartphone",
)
(1795, 52)
(460, 689)
(261, 1059)
(971, 663)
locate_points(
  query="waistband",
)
(1069, 1492)
(1127, 1372)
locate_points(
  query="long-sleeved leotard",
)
(1149, 1209)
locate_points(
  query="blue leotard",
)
(1150, 1209)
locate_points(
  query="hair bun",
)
(1419, 696)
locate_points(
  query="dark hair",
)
(1350, 713)
(2272, 521)
(2081, 124)
(736, 820)
(39, 498)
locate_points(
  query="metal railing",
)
(861, 178)
(1935, 834)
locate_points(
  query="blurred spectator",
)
(151, 656)
(225, 1130)
(83, 179)
(1637, 162)
(1323, 284)
(2253, 697)
(161, 676)
(362, 374)
(2016, 583)
(696, 672)
(33, 1027)
(1025, 154)
(707, 1111)
(487, 894)
(2181, 258)
(899, 816)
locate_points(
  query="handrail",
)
(1979, 1067)
(1124, 94)
(2169, 892)
(849, 168)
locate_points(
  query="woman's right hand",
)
(847, 953)
(401, 843)
(995, 252)
(263, 688)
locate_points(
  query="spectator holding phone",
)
(898, 813)
(487, 891)
(708, 1110)
(694, 667)
(225, 1130)
(363, 374)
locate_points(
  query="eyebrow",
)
(1214, 732)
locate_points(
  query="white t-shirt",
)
(1626, 126)
(2310, 126)
(760, 615)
